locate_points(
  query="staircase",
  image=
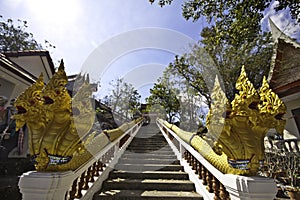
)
(148, 169)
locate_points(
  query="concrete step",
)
(148, 161)
(149, 146)
(149, 195)
(148, 167)
(155, 143)
(148, 184)
(157, 140)
(128, 154)
(160, 151)
(149, 175)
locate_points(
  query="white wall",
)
(292, 102)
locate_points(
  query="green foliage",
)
(165, 96)
(233, 21)
(14, 37)
(184, 67)
(174, 97)
(255, 55)
(124, 99)
(201, 66)
(232, 38)
(162, 2)
(292, 5)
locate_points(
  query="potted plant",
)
(291, 164)
(283, 164)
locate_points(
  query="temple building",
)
(284, 77)
(20, 69)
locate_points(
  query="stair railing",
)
(81, 183)
(209, 181)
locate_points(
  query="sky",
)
(108, 39)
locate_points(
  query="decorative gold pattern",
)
(236, 131)
(59, 126)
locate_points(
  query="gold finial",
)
(247, 98)
(252, 115)
(271, 108)
(216, 117)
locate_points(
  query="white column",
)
(41, 185)
(249, 188)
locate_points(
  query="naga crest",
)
(56, 127)
(238, 129)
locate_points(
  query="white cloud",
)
(282, 20)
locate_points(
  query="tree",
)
(232, 38)
(233, 21)
(16, 38)
(209, 59)
(124, 99)
(134, 101)
(166, 97)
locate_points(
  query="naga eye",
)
(31, 102)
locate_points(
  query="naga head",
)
(83, 108)
(247, 99)
(55, 94)
(271, 108)
(29, 104)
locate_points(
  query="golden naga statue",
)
(235, 139)
(59, 126)
(246, 121)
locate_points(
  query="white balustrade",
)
(81, 183)
(213, 184)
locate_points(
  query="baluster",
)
(185, 155)
(209, 181)
(196, 166)
(191, 160)
(216, 188)
(188, 157)
(96, 168)
(101, 166)
(91, 174)
(193, 163)
(223, 192)
(296, 146)
(86, 180)
(203, 173)
(107, 156)
(73, 190)
(111, 155)
(78, 194)
(200, 170)
(104, 159)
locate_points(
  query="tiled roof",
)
(284, 76)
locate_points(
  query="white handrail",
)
(221, 186)
(63, 185)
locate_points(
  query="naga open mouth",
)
(253, 105)
(21, 110)
(48, 100)
(279, 116)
